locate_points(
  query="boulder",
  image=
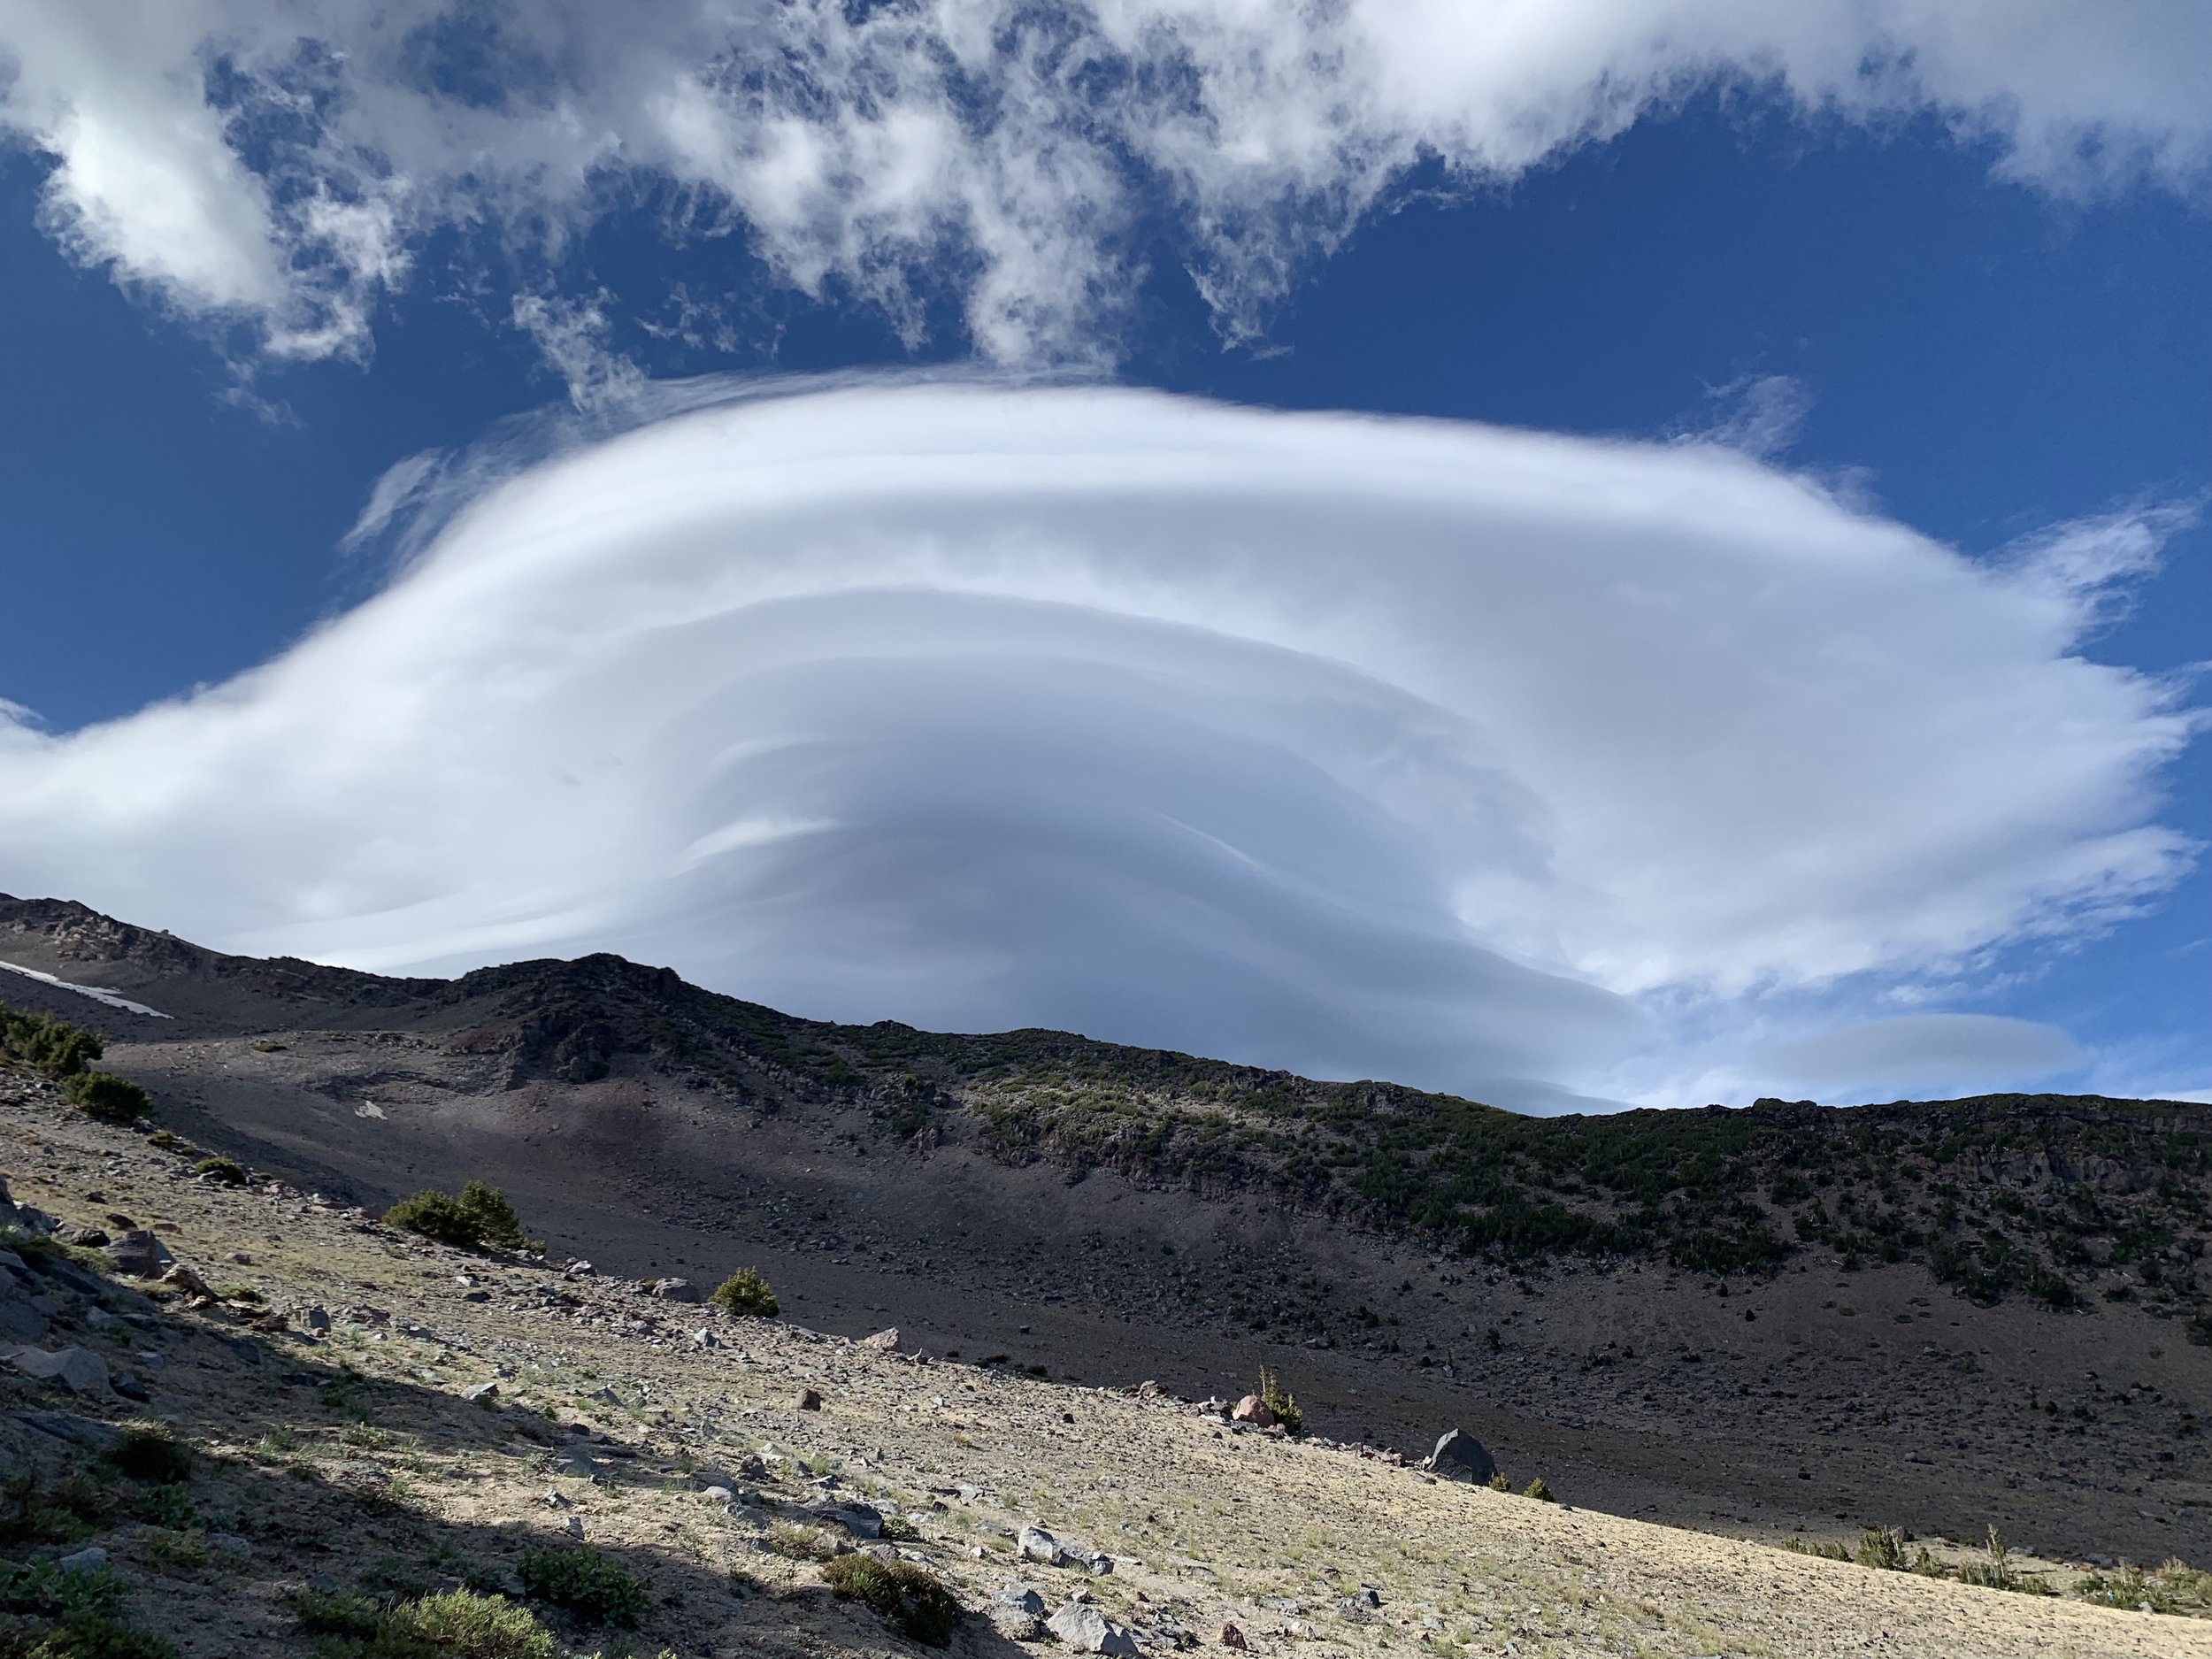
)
(140, 1253)
(1016, 1624)
(1232, 1637)
(809, 1400)
(862, 1520)
(59, 1270)
(1024, 1596)
(195, 1288)
(1086, 1629)
(882, 1341)
(1459, 1455)
(77, 1370)
(675, 1290)
(19, 1321)
(89, 1432)
(1255, 1410)
(88, 1560)
(1034, 1543)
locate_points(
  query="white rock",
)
(90, 1560)
(1086, 1629)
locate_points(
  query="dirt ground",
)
(353, 1458)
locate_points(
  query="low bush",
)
(480, 1216)
(1499, 1483)
(1539, 1491)
(227, 1170)
(111, 1099)
(149, 1453)
(88, 1636)
(898, 1530)
(468, 1625)
(457, 1625)
(1882, 1548)
(906, 1597)
(1278, 1400)
(596, 1588)
(746, 1294)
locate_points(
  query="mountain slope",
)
(1990, 1302)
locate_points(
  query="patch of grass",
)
(1819, 1549)
(899, 1530)
(227, 1170)
(42, 1590)
(910, 1600)
(335, 1613)
(165, 1139)
(799, 1543)
(596, 1587)
(746, 1294)
(480, 1216)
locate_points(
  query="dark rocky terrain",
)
(1938, 1315)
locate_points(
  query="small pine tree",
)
(1539, 1491)
(746, 1294)
(1278, 1400)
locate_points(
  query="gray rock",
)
(314, 1318)
(576, 1464)
(1025, 1597)
(88, 1560)
(704, 1338)
(481, 1391)
(59, 1270)
(227, 1545)
(77, 1370)
(1034, 1543)
(128, 1386)
(140, 1253)
(724, 1496)
(89, 1432)
(810, 1399)
(675, 1290)
(19, 1321)
(862, 1520)
(1015, 1625)
(1459, 1455)
(1086, 1629)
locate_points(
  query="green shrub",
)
(1499, 1483)
(745, 1293)
(1882, 1548)
(42, 1590)
(1278, 1400)
(899, 1530)
(52, 1046)
(335, 1613)
(595, 1588)
(165, 1139)
(149, 1453)
(480, 1216)
(227, 1170)
(89, 1636)
(1539, 1491)
(102, 1095)
(906, 1597)
(472, 1627)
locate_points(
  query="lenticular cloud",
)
(1367, 747)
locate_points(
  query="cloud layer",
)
(279, 164)
(1477, 758)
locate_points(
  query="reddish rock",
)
(1253, 1410)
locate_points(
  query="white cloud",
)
(1911, 1053)
(283, 160)
(1517, 763)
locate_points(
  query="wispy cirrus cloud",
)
(277, 165)
(1527, 765)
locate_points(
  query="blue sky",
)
(1902, 305)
